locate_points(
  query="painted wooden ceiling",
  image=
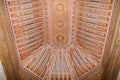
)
(60, 39)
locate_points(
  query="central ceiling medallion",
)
(60, 38)
(60, 7)
(60, 22)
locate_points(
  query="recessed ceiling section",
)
(60, 39)
(60, 22)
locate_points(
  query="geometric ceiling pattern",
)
(60, 39)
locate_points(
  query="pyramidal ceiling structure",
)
(60, 39)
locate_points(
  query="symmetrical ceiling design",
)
(59, 22)
(60, 39)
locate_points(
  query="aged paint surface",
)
(60, 21)
(60, 39)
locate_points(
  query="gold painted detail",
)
(60, 21)
(60, 38)
(60, 7)
(60, 24)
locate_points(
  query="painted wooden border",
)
(111, 48)
(7, 46)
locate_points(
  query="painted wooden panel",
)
(60, 39)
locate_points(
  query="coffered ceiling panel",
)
(60, 39)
